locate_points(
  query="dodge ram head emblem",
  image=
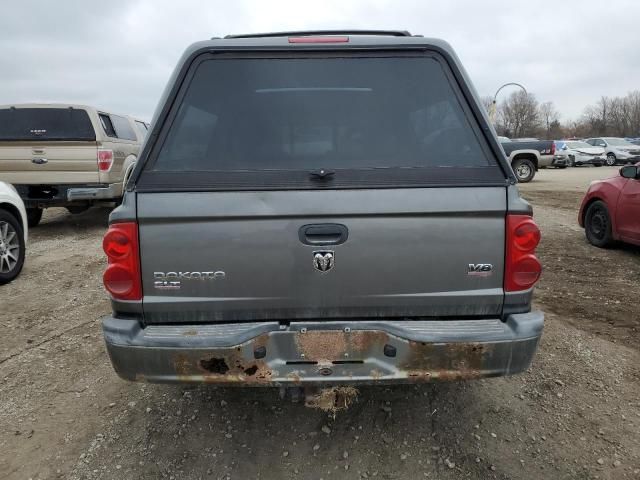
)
(323, 260)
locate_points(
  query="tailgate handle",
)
(323, 234)
(39, 161)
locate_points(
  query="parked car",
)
(526, 156)
(327, 207)
(13, 233)
(610, 210)
(580, 153)
(635, 141)
(617, 150)
(561, 152)
(70, 156)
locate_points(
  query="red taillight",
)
(328, 39)
(553, 148)
(122, 276)
(105, 160)
(526, 235)
(522, 268)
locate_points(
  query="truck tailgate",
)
(48, 162)
(242, 256)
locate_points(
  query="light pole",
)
(492, 114)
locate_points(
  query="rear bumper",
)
(61, 195)
(345, 352)
(106, 192)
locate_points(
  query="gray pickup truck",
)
(321, 208)
(526, 156)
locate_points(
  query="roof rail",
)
(304, 33)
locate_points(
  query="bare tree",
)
(519, 116)
(550, 118)
(617, 116)
(633, 99)
(617, 121)
(597, 117)
(556, 130)
(575, 128)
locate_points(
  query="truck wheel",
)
(611, 160)
(33, 216)
(524, 170)
(11, 247)
(597, 225)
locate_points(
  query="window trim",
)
(463, 93)
(142, 130)
(102, 116)
(144, 125)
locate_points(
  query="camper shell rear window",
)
(268, 121)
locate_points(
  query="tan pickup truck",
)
(73, 156)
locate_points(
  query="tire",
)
(572, 161)
(597, 225)
(34, 215)
(524, 170)
(12, 247)
(611, 160)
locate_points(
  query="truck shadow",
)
(59, 220)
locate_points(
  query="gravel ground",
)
(574, 414)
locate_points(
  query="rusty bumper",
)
(346, 352)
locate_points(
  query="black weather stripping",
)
(387, 33)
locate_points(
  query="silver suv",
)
(617, 150)
(321, 208)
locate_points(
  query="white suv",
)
(617, 150)
(13, 233)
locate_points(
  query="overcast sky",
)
(118, 54)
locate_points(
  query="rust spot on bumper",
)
(447, 361)
(226, 365)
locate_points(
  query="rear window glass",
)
(123, 128)
(307, 114)
(45, 124)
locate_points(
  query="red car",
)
(610, 210)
